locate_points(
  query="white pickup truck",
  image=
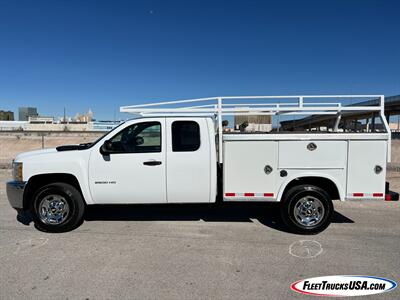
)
(179, 154)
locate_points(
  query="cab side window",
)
(138, 138)
(185, 136)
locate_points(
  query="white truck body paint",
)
(189, 173)
(347, 159)
(364, 156)
(123, 178)
(50, 161)
(245, 160)
(244, 164)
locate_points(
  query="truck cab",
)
(155, 160)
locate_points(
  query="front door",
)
(134, 171)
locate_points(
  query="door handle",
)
(152, 163)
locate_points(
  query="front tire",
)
(57, 207)
(306, 209)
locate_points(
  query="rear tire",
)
(57, 207)
(306, 209)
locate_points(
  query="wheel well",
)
(324, 183)
(37, 181)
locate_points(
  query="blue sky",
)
(104, 54)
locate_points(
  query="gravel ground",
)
(194, 252)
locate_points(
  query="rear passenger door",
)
(188, 161)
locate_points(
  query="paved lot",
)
(193, 252)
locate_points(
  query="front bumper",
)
(15, 194)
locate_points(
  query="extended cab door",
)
(134, 171)
(188, 160)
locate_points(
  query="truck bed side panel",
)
(244, 170)
(362, 179)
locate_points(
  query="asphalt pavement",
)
(193, 252)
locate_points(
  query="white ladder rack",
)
(279, 105)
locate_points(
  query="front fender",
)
(73, 163)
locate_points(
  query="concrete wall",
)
(396, 152)
(12, 143)
(32, 126)
(59, 127)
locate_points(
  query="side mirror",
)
(106, 148)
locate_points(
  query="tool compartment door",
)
(363, 180)
(312, 154)
(245, 173)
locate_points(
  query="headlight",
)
(17, 171)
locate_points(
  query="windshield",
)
(100, 138)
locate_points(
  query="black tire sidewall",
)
(74, 200)
(290, 201)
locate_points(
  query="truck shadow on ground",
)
(266, 214)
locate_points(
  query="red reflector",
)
(377, 194)
(230, 194)
(268, 194)
(249, 194)
(358, 194)
(388, 197)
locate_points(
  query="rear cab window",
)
(185, 136)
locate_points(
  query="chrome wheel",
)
(53, 209)
(309, 211)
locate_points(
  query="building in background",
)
(261, 123)
(25, 112)
(6, 115)
(104, 125)
(30, 120)
(85, 118)
(41, 120)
